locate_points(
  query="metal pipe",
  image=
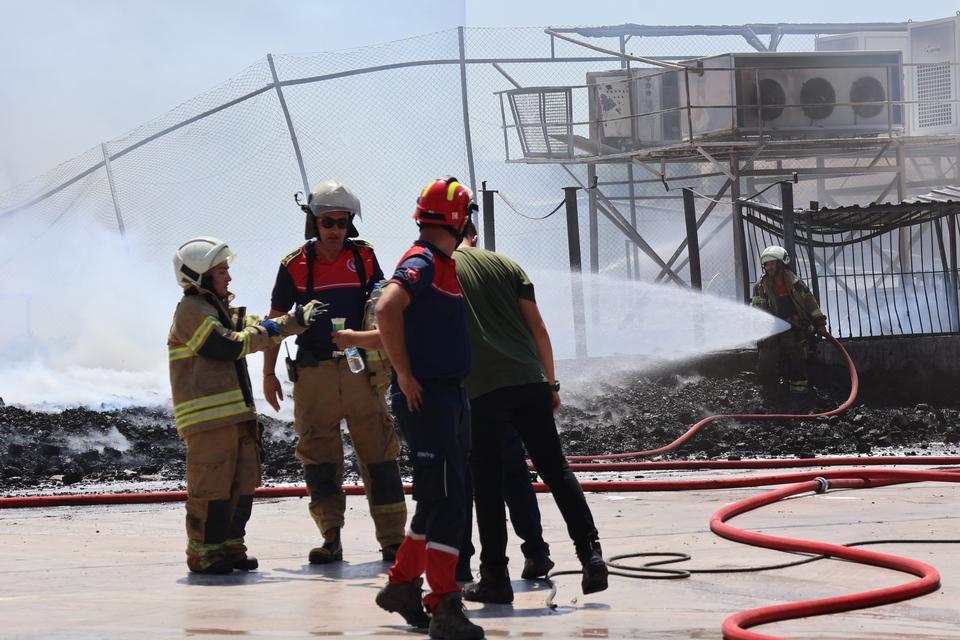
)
(466, 110)
(626, 56)
(290, 129)
(113, 188)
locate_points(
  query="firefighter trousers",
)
(323, 396)
(223, 470)
(790, 349)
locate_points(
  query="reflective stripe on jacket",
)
(765, 297)
(207, 344)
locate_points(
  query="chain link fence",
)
(385, 119)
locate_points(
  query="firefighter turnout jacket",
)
(207, 344)
(789, 299)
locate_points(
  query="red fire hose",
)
(735, 627)
(854, 387)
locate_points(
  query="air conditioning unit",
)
(635, 107)
(934, 76)
(611, 107)
(795, 94)
(866, 41)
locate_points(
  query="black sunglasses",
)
(330, 223)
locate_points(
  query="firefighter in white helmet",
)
(337, 268)
(780, 292)
(213, 402)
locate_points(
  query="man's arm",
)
(272, 390)
(393, 302)
(369, 339)
(541, 339)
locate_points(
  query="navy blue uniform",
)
(438, 433)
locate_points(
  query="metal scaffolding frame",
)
(746, 163)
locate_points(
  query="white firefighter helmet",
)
(774, 252)
(332, 195)
(197, 256)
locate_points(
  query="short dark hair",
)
(470, 229)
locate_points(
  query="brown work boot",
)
(537, 566)
(450, 623)
(236, 553)
(493, 587)
(331, 551)
(594, 568)
(207, 558)
(405, 598)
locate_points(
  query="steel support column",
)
(693, 244)
(592, 219)
(576, 271)
(740, 269)
(489, 226)
(786, 208)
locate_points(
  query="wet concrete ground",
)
(118, 572)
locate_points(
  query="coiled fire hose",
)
(735, 627)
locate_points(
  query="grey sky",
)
(74, 73)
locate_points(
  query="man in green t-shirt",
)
(512, 386)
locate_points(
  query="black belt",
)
(311, 358)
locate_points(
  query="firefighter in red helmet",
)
(423, 327)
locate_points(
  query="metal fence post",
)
(786, 207)
(113, 189)
(594, 227)
(693, 243)
(489, 229)
(954, 282)
(740, 264)
(811, 257)
(290, 129)
(466, 110)
(576, 271)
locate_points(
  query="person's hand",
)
(822, 330)
(306, 315)
(555, 403)
(411, 390)
(344, 339)
(272, 390)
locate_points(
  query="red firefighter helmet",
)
(445, 202)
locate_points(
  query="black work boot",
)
(331, 551)
(218, 567)
(594, 568)
(236, 552)
(493, 587)
(450, 623)
(463, 573)
(389, 552)
(536, 566)
(405, 598)
(207, 558)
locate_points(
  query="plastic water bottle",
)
(372, 309)
(354, 359)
